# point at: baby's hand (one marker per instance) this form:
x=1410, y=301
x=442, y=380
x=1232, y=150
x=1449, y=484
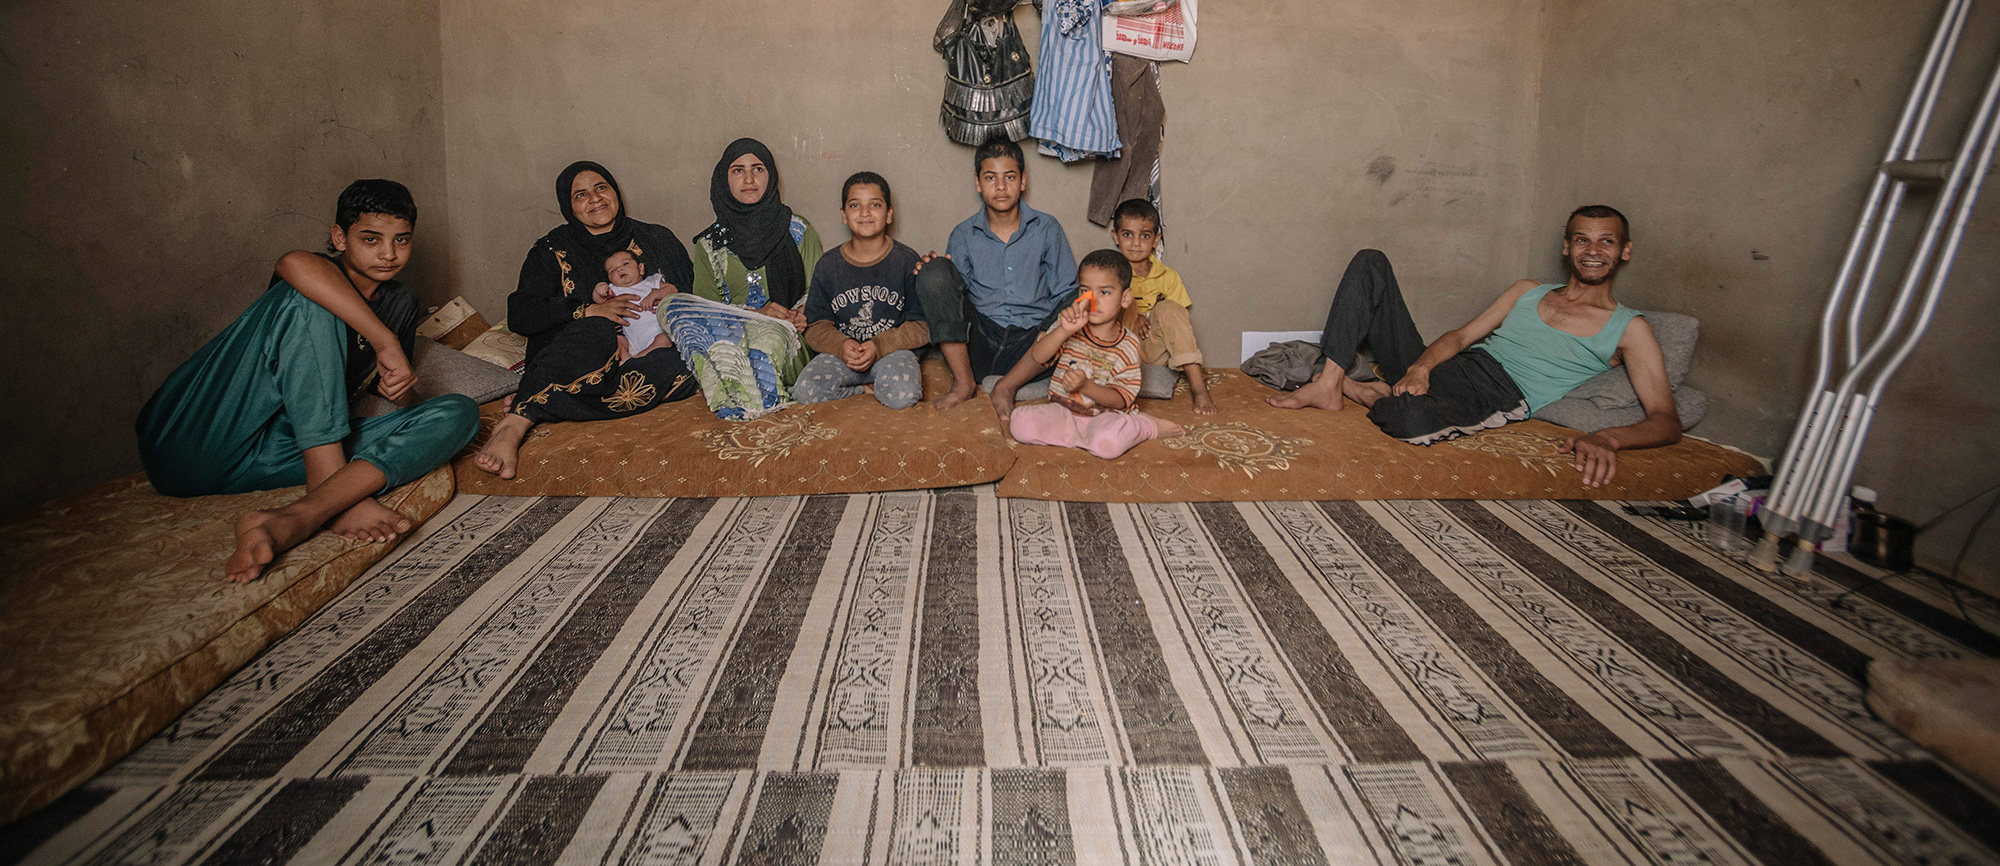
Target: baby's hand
x=601, y=294
x=652, y=300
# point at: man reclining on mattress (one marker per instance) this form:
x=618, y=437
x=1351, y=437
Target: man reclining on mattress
x=1536, y=343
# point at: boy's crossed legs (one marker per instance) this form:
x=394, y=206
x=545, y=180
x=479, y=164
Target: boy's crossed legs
x=898, y=380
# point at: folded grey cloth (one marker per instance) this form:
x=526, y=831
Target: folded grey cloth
x=1285, y=366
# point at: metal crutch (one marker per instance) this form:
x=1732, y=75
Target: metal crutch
x=1826, y=444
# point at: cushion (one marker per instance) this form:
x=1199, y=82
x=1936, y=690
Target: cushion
x=854, y=445
x=1252, y=451
x=444, y=370
x=501, y=347
x=114, y=618
x=1577, y=413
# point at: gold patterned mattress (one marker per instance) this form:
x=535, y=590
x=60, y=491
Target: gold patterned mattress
x=1251, y=451
x=114, y=618
x=681, y=449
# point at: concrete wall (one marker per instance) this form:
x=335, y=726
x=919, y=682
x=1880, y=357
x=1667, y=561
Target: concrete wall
x=155, y=160
x=1741, y=136
x=1271, y=136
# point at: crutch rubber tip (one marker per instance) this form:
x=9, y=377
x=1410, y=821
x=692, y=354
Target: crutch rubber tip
x=1765, y=556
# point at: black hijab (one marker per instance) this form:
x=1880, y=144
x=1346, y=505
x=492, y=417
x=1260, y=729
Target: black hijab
x=580, y=237
x=760, y=234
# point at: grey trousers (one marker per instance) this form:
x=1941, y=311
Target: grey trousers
x=898, y=382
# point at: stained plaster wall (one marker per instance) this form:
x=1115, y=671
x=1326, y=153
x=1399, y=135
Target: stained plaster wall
x=1741, y=137
x=157, y=159
x=1300, y=133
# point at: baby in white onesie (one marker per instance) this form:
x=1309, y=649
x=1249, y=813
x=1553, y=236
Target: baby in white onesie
x=643, y=334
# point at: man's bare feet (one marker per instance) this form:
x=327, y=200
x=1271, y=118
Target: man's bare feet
x=1320, y=393
x=503, y=448
x=369, y=521
x=959, y=393
x=1168, y=429
x=1003, y=403
x=260, y=537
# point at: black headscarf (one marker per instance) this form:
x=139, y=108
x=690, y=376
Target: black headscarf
x=580, y=237
x=760, y=234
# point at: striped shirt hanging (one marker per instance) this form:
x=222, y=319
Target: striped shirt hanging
x=1072, y=112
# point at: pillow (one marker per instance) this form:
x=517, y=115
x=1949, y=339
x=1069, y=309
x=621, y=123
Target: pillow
x=1580, y=414
x=444, y=370
x=500, y=346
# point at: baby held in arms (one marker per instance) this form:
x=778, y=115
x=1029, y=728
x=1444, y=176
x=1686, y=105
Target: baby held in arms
x=628, y=277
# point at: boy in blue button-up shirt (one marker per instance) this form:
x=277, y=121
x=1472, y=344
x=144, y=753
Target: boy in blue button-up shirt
x=1009, y=276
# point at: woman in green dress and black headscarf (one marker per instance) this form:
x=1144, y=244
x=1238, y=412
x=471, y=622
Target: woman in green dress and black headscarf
x=739, y=328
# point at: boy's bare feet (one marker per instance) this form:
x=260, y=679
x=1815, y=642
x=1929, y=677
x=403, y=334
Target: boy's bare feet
x=1168, y=429
x=260, y=537
x=369, y=521
x=960, y=392
x=503, y=448
x=1198, y=390
x=1003, y=402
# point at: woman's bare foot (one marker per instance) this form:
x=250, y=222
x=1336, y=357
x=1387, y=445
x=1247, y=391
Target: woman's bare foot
x=260, y=537
x=503, y=448
x=959, y=393
x=1320, y=393
x=1168, y=429
x=369, y=521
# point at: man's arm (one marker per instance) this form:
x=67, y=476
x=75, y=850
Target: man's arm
x=1597, y=453
x=1418, y=379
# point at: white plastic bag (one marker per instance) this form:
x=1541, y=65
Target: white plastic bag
x=1165, y=35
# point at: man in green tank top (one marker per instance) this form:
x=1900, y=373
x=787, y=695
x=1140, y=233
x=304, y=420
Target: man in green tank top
x=1537, y=342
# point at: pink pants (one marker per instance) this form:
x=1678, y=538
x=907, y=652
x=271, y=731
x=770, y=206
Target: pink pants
x=1107, y=435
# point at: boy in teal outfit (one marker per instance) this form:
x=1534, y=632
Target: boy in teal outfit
x=264, y=404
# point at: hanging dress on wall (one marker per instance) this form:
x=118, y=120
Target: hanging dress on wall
x=988, y=79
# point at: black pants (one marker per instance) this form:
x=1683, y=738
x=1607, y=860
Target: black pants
x=1468, y=392
x=577, y=377
x=994, y=348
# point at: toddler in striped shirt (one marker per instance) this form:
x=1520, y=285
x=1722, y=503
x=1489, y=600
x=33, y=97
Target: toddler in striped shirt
x=1091, y=394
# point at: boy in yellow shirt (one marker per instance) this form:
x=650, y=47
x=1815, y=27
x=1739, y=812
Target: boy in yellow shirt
x=1160, y=303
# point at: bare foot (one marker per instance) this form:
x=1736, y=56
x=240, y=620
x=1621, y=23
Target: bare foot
x=1003, y=403
x=504, y=447
x=1168, y=429
x=959, y=393
x=1317, y=394
x=1203, y=404
x=260, y=537
x=369, y=521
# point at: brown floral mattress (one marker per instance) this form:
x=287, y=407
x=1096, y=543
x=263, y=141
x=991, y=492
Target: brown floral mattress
x=1251, y=451
x=114, y=618
x=680, y=449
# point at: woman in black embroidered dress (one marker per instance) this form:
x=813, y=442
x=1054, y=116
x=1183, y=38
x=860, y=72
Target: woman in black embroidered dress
x=573, y=372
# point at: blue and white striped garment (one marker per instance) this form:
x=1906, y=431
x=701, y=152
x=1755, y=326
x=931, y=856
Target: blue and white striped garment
x=1072, y=113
